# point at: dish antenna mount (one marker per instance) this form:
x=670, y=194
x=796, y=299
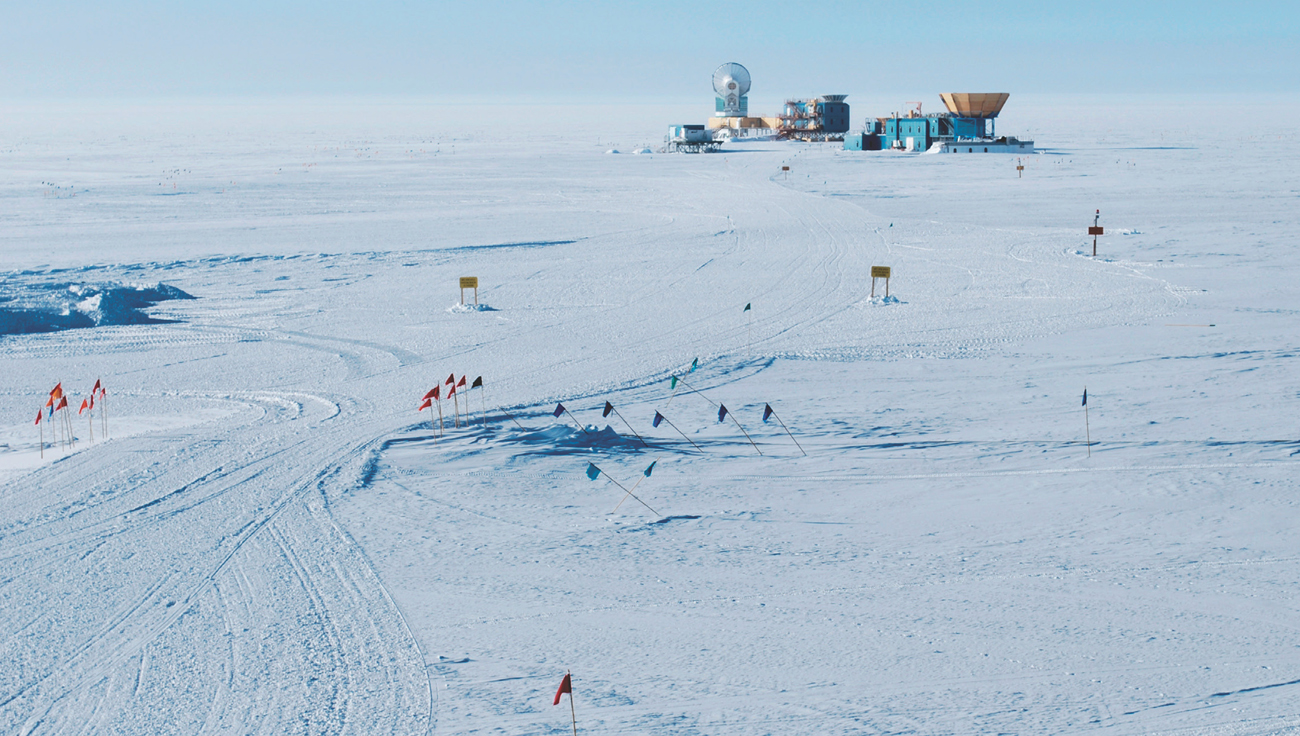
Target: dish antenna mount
x=731, y=83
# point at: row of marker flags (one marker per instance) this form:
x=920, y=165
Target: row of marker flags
x=435, y=397
x=594, y=471
x=58, y=411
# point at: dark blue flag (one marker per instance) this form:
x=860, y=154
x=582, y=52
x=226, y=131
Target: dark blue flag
x=722, y=412
x=593, y=472
x=559, y=409
x=1085, y=397
x=652, y=467
x=608, y=408
x=767, y=412
x=658, y=418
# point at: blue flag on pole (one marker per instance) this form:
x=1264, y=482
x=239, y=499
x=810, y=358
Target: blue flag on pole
x=722, y=412
x=747, y=306
x=673, y=385
x=1085, y=397
x=767, y=412
x=652, y=467
x=608, y=408
x=593, y=472
x=559, y=409
x=694, y=364
x=658, y=418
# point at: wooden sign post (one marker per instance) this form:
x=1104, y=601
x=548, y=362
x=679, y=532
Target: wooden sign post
x=1020, y=169
x=1096, y=230
x=879, y=272
x=468, y=282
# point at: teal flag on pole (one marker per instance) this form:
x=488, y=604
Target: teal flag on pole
x=593, y=472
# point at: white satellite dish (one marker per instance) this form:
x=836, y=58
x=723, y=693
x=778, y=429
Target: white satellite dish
x=731, y=82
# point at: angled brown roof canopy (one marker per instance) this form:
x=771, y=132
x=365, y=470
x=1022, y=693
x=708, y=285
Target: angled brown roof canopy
x=975, y=104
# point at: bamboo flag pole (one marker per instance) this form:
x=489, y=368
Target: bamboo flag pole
x=645, y=474
x=768, y=411
x=573, y=713
x=723, y=413
x=41, y=427
x=661, y=418
x=90, y=426
x=559, y=409
x=103, y=397
x=482, y=394
x=610, y=407
x=598, y=472
x=511, y=416
x=749, y=333
x=677, y=380
x=1087, y=429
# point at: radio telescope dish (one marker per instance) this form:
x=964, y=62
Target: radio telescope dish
x=731, y=82
x=731, y=79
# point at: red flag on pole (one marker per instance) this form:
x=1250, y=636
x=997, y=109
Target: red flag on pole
x=451, y=380
x=96, y=388
x=566, y=686
x=427, y=403
x=63, y=403
x=83, y=407
x=461, y=384
x=38, y=416
x=57, y=391
x=451, y=391
x=433, y=394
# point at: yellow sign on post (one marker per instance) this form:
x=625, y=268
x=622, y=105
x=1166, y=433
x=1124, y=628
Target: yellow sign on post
x=879, y=272
x=469, y=282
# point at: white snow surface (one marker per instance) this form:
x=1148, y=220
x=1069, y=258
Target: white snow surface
x=272, y=540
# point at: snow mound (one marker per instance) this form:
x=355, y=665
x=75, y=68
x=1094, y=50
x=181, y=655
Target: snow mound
x=641, y=151
x=612, y=150
x=560, y=439
x=880, y=301
x=28, y=308
x=464, y=308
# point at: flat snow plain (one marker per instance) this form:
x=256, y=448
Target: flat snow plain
x=274, y=541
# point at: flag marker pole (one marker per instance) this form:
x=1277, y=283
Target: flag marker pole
x=508, y=414
x=742, y=431
x=683, y=434
x=439, y=403
x=573, y=714
x=629, y=426
x=575, y=421
x=625, y=490
x=42, y=428
x=687, y=385
x=787, y=431
x=1086, y=428
x=634, y=485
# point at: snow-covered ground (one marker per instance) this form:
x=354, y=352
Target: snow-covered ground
x=273, y=540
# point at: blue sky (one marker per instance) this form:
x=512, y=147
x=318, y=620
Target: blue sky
x=629, y=51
